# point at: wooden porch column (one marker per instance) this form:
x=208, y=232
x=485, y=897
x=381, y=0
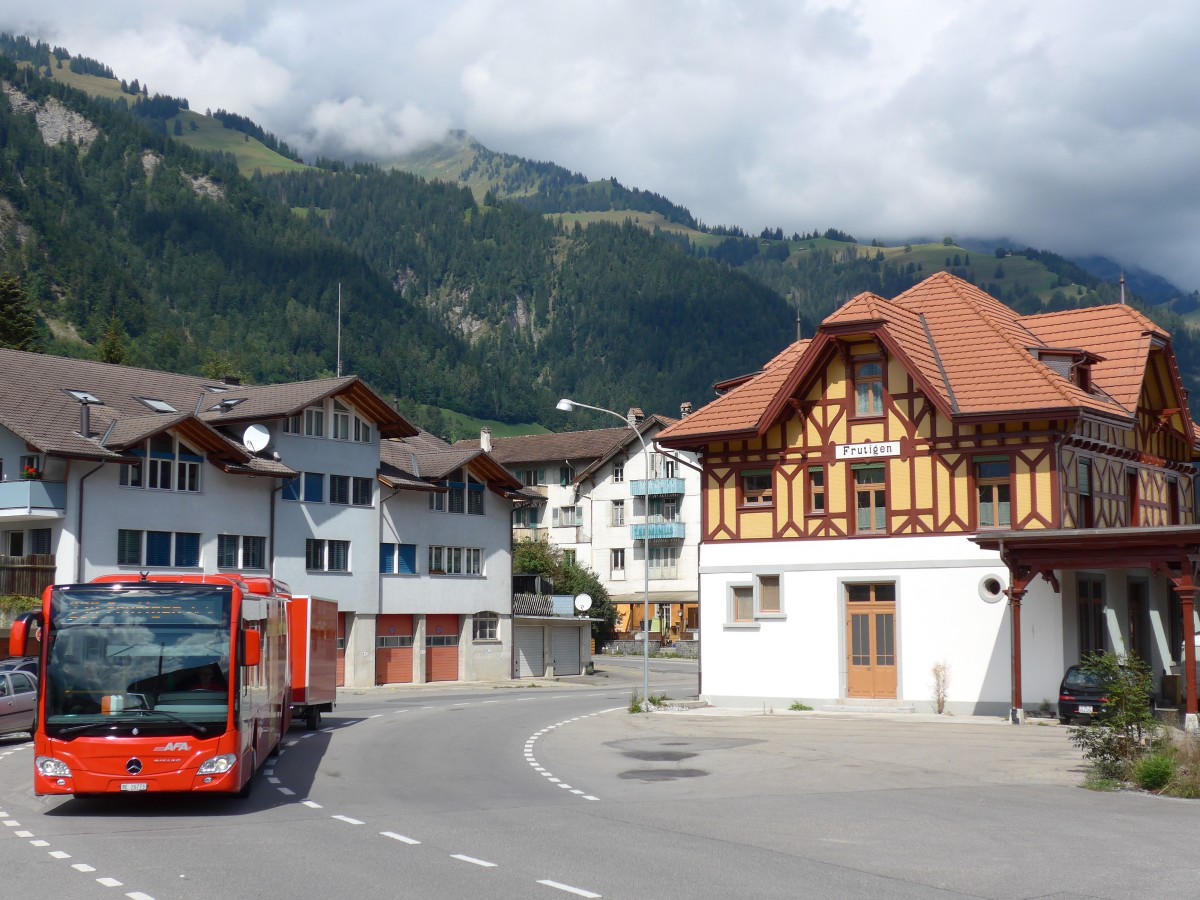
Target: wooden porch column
x=1015, y=594
x=1186, y=588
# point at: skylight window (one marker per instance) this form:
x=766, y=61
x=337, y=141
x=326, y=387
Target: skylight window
x=227, y=404
x=161, y=406
x=86, y=397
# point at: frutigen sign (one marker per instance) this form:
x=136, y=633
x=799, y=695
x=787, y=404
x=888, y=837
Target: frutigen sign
x=869, y=450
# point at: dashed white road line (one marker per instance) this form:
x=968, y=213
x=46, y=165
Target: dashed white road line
x=110, y=882
x=473, y=860
x=348, y=820
x=578, y=892
x=399, y=837
x=549, y=776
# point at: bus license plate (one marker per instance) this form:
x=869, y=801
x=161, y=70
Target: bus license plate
x=134, y=786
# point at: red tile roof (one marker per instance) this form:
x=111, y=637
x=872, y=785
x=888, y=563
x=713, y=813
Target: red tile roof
x=970, y=353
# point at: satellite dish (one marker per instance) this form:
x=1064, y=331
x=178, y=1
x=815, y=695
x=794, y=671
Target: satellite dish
x=256, y=437
x=583, y=602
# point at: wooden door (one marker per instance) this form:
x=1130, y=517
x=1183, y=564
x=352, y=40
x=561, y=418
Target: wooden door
x=871, y=640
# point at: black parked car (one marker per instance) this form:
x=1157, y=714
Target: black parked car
x=1080, y=696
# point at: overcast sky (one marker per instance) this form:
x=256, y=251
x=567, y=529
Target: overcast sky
x=1071, y=126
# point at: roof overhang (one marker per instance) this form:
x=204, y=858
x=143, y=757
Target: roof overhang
x=1095, y=548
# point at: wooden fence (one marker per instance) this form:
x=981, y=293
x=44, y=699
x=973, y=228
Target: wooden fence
x=26, y=575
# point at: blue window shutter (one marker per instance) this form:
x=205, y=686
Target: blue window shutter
x=407, y=559
x=291, y=488
x=187, y=549
x=387, y=559
x=158, y=548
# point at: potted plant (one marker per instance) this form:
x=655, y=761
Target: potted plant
x=31, y=473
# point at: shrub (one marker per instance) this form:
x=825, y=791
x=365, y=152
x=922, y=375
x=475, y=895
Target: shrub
x=1115, y=740
x=797, y=706
x=1154, y=772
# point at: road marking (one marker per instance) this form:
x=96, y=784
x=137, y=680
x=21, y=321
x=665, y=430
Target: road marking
x=576, y=791
x=40, y=843
x=82, y=867
x=59, y=854
x=138, y=895
x=489, y=701
x=12, y=823
x=567, y=786
x=376, y=716
x=109, y=882
x=590, y=797
x=273, y=779
x=399, y=837
x=293, y=743
x=473, y=860
x=348, y=820
x=312, y=804
x=23, y=833
x=287, y=792
x=578, y=892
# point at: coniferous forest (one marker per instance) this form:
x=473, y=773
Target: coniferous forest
x=131, y=246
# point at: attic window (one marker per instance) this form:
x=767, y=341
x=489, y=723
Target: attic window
x=161, y=406
x=86, y=397
x=229, y=403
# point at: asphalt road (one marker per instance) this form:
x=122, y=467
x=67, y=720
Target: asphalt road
x=556, y=791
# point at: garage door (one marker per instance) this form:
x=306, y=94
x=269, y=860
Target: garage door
x=393, y=649
x=531, y=657
x=441, y=648
x=564, y=645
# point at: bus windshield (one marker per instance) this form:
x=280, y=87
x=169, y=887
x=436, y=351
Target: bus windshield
x=139, y=657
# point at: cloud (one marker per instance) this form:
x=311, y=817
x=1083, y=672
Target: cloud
x=1065, y=125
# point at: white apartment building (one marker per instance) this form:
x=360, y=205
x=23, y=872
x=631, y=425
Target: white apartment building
x=599, y=495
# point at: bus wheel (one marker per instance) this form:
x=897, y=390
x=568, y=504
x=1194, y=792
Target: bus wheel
x=249, y=785
x=312, y=718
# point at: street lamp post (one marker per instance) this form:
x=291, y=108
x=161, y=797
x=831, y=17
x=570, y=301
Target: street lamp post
x=566, y=405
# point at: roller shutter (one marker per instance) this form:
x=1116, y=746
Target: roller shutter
x=528, y=643
x=564, y=647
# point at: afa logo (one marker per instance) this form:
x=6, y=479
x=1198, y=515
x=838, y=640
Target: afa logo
x=173, y=747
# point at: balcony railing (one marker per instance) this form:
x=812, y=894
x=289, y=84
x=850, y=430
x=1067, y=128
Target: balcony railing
x=658, y=528
x=33, y=499
x=656, y=487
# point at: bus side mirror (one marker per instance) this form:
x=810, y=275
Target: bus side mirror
x=252, y=653
x=18, y=638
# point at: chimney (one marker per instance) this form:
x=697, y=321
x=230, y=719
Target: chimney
x=485, y=439
x=685, y=409
x=85, y=419
x=231, y=381
x=634, y=416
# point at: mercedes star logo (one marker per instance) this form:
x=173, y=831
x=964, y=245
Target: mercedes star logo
x=133, y=766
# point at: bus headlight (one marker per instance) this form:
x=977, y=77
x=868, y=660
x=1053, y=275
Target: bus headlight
x=218, y=764
x=51, y=767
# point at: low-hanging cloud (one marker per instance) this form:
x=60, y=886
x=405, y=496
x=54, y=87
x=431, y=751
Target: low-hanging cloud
x=1069, y=126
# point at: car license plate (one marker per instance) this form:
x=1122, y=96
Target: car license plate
x=134, y=786
x=1084, y=709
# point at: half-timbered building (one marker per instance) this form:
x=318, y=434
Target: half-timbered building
x=863, y=493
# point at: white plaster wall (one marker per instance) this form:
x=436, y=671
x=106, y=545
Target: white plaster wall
x=940, y=617
x=407, y=519
x=486, y=660
x=225, y=504
x=296, y=521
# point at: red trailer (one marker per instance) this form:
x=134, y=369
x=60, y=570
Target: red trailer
x=312, y=642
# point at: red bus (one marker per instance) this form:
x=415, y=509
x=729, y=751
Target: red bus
x=157, y=683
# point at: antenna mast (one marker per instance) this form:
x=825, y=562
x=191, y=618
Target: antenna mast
x=339, y=332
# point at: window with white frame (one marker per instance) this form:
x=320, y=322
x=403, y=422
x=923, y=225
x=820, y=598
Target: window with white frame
x=664, y=562
x=474, y=497
x=619, y=472
x=566, y=516
x=485, y=626
x=241, y=551
x=398, y=559
x=167, y=464
x=531, y=477
x=455, y=560
x=339, y=489
x=307, y=486
x=362, y=491
x=618, y=512
x=294, y=424
x=437, y=501
x=159, y=549
x=314, y=422
x=362, y=430
x=566, y=474
x=617, y=562
x=326, y=555
x=341, y=422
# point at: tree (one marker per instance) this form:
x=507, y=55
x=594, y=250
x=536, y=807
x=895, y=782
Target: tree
x=1121, y=733
x=568, y=577
x=18, y=327
x=112, y=347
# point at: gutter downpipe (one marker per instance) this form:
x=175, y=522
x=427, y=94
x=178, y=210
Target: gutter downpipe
x=79, y=525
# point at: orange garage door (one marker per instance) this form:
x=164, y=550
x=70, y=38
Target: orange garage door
x=441, y=648
x=393, y=649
